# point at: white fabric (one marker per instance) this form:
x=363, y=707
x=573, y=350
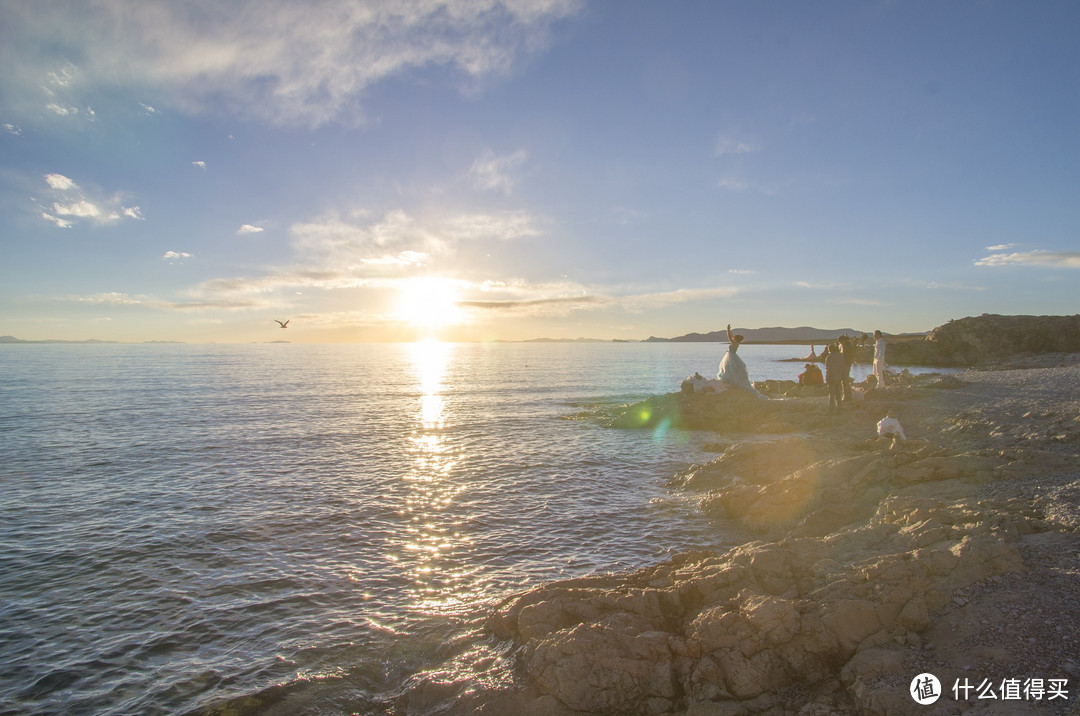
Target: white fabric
x=879, y=362
x=733, y=372
x=699, y=384
x=890, y=426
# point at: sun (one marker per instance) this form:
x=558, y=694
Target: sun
x=429, y=302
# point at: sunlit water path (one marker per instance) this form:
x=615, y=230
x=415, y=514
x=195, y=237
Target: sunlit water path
x=185, y=524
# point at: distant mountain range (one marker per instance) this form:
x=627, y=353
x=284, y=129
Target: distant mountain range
x=776, y=334
x=802, y=335
x=13, y=339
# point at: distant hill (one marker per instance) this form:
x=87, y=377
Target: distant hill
x=13, y=339
x=568, y=340
x=776, y=334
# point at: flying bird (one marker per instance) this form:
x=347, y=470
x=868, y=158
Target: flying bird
x=283, y=325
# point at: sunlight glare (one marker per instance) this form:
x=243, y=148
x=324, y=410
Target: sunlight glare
x=429, y=302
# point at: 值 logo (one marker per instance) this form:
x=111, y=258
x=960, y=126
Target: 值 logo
x=925, y=689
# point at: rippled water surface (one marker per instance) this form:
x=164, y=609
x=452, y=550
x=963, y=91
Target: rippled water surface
x=181, y=525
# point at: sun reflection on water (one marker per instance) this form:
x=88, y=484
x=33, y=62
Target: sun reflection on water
x=434, y=546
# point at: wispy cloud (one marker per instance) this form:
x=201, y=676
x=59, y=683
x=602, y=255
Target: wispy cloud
x=517, y=297
x=682, y=295
x=69, y=203
x=857, y=302
x=176, y=255
x=491, y=172
x=740, y=185
x=357, y=250
x=1002, y=247
x=1047, y=259
x=823, y=285
x=935, y=285
x=727, y=144
x=627, y=216
x=199, y=164
x=563, y=298
x=280, y=61
x=354, y=239
x=249, y=229
x=114, y=298
x=558, y=305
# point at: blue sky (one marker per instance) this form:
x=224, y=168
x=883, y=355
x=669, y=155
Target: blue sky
x=533, y=168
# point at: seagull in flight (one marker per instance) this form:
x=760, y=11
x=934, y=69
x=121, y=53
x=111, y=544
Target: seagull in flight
x=283, y=325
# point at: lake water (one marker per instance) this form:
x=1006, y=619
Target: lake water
x=182, y=525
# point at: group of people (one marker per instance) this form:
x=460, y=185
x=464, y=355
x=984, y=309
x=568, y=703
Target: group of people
x=838, y=358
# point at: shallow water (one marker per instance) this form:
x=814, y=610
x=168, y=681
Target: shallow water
x=185, y=524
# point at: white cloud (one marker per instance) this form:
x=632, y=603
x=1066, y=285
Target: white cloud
x=825, y=286
x=492, y=172
x=355, y=239
x=742, y=272
x=71, y=202
x=950, y=286
x=405, y=258
x=249, y=229
x=731, y=183
x=503, y=226
x=726, y=145
x=1002, y=247
x=61, y=223
x=12, y=128
x=79, y=209
x=1049, y=259
x=176, y=255
x=61, y=111
x=59, y=181
x=282, y=61
x=361, y=250
x=199, y=164
x=109, y=297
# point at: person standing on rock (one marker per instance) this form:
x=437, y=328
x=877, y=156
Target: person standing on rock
x=732, y=368
x=835, y=373
x=847, y=350
x=879, y=359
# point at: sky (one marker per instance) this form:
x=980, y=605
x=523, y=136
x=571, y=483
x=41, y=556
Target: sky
x=385, y=170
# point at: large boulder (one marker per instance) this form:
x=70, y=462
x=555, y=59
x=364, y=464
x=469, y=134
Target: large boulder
x=988, y=339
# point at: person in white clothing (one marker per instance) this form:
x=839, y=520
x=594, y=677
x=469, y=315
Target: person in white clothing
x=733, y=369
x=890, y=426
x=879, y=359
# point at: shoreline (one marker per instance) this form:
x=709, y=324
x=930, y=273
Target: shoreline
x=864, y=563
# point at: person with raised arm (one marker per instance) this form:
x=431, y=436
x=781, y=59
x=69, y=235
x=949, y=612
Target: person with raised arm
x=732, y=368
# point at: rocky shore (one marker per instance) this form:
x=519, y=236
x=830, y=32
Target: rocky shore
x=989, y=340
x=862, y=563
